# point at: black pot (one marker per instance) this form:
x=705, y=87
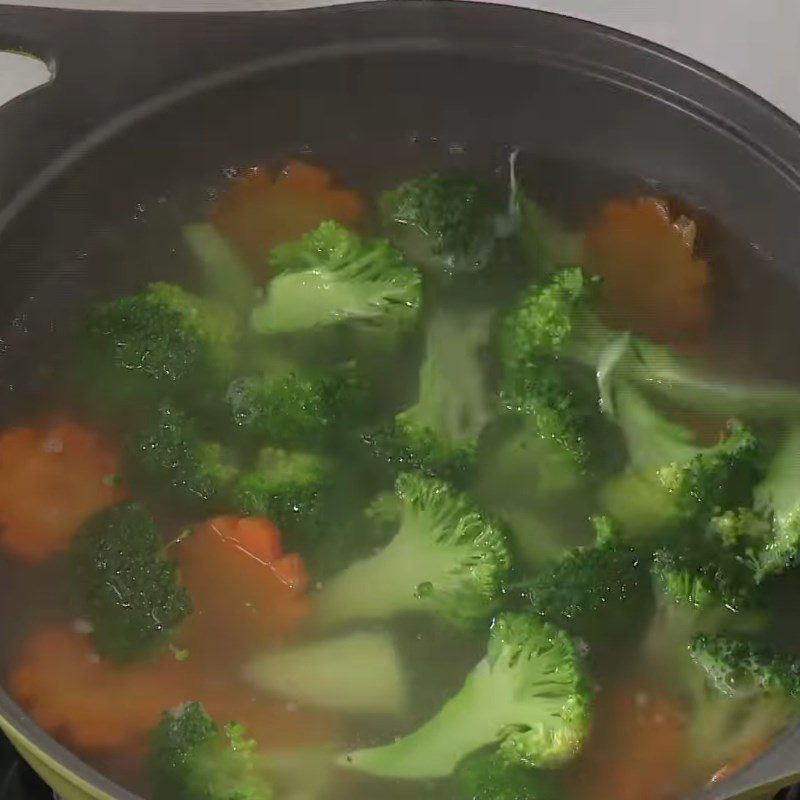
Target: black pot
x=138, y=101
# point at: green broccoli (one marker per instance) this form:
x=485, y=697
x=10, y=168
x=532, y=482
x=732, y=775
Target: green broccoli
x=528, y=695
x=125, y=586
x=288, y=487
x=745, y=693
x=555, y=357
x=671, y=481
x=487, y=777
x=601, y=587
x=333, y=276
x=766, y=536
x=445, y=558
x=777, y=498
x=697, y=591
x=438, y=435
x=445, y=224
x=288, y=406
x=192, y=759
x=556, y=319
x=156, y=344
x=169, y=458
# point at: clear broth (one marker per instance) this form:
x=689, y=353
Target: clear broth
x=757, y=318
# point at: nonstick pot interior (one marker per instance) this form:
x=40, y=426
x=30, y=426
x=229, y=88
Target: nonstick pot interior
x=186, y=96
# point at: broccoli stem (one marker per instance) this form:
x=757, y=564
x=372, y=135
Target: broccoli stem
x=225, y=276
x=779, y=490
x=778, y=494
x=386, y=583
x=473, y=719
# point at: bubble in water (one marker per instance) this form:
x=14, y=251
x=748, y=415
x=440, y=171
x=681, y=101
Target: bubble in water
x=424, y=589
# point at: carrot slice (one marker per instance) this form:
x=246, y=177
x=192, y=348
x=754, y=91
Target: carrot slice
x=256, y=537
x=91, y=704
x=52, y=478
x=261, y=210
x=635, y=745
x=653, y=283
x=99, y=707
x=291, y=570
x=246, y=592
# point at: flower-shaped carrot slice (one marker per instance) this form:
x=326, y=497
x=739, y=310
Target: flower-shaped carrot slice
x=261, y=210
x=98, y=707
x=87, y=702
x=246, y=591
x=653, y=283
x=52, y=478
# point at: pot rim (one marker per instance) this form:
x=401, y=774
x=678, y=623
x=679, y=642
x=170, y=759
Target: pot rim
x=42, y=744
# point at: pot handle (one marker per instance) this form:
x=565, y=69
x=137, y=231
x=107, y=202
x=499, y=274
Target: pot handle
x=105, y=62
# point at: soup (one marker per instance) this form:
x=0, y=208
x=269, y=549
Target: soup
x=440, y=488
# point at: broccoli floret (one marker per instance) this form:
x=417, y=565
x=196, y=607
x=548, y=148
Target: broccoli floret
x=555, y=356
x=741, y=667
x=156, y=344
x=332, y=276
x=528, y=695
x=288, y=406
x=556, y=319
x=446, y=224
x=601, y=587
x=438, y=435
x=777, y=498
x=357, y=673
x=488, y=777
x=192, y=759
x=169, y=458
x=445, y=558
x=767, y=535
x=671, y=481
x=744, y=694
x=126, y=587
x=697, y=591
x=289, y=487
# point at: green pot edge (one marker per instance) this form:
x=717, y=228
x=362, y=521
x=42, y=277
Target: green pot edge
x=62, y=780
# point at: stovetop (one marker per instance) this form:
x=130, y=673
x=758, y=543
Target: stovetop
x=17, y=780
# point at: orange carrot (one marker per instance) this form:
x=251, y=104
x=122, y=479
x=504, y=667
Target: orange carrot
x=634, y=747
x=91, y=704
x=52, y=477
x=95, y=706
x=246, y=592
x=653, y=283
x=261, y=210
